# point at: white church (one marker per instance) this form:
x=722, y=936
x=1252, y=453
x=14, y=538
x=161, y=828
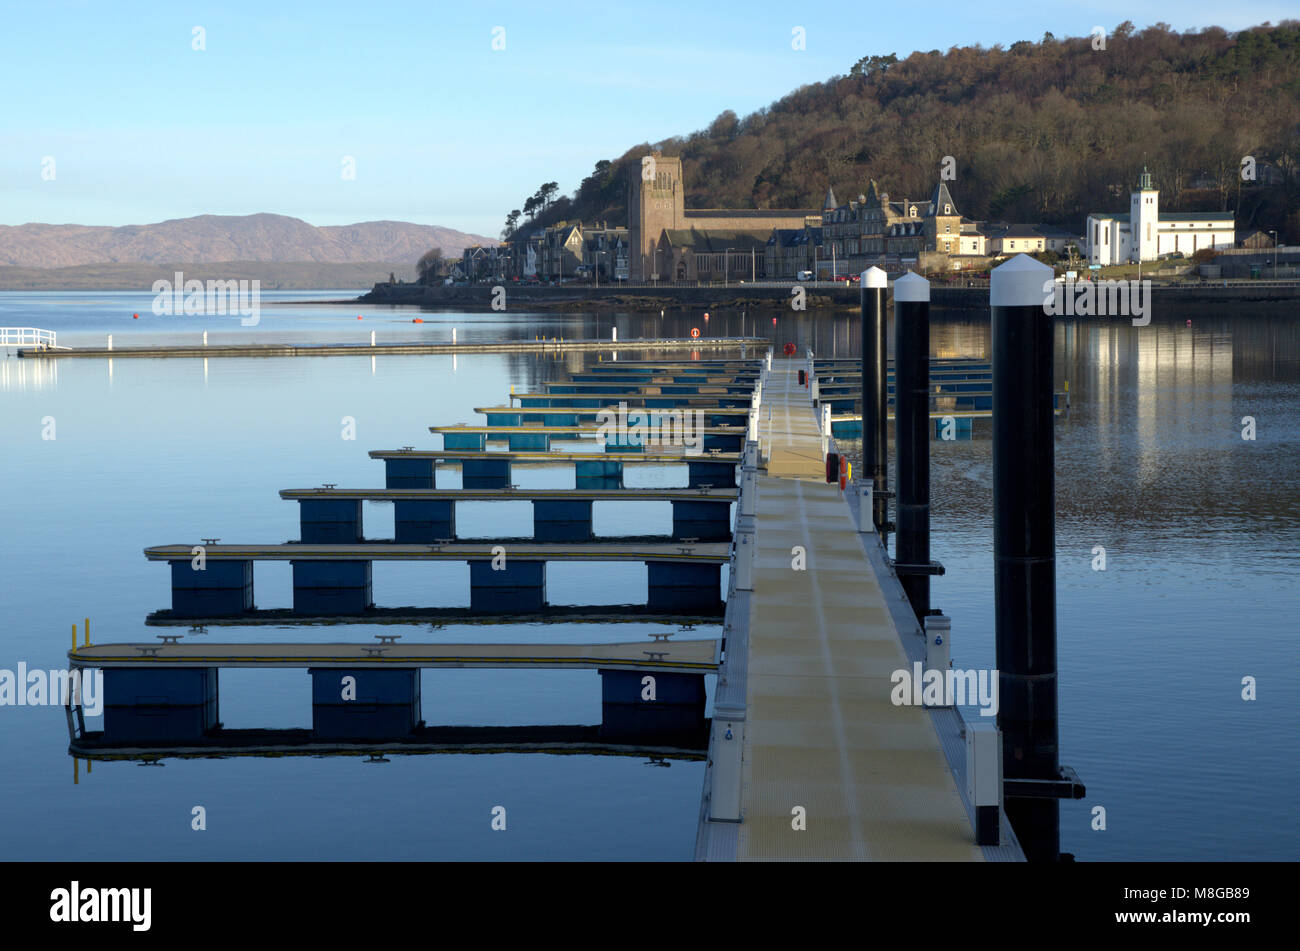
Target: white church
x=1144, y=234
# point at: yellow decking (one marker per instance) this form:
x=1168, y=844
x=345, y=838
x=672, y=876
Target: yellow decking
x=821, y=732
x=560, y=457
x=686, y=656
x=713, y=552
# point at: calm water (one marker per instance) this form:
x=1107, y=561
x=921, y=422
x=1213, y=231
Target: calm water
x=1201, y=529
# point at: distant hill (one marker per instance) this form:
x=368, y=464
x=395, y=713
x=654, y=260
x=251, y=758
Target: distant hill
x=210, y=239
x=274, y=275
x=1045, y=130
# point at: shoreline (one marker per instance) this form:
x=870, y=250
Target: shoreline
x=479, y=297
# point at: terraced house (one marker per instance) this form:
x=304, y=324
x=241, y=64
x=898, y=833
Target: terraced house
x=875, y=230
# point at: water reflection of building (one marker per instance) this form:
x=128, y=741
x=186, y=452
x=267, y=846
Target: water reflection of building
x=28, y=374
x=1157, y=420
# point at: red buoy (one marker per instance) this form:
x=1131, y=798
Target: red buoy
x=358, y=316
x=418, y=320
x=137, y=317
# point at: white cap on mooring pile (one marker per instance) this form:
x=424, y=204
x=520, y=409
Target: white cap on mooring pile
x=1019, y=282
x=875, y=277
x=911, y=287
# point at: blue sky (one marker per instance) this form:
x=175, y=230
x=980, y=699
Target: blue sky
x=443, y=129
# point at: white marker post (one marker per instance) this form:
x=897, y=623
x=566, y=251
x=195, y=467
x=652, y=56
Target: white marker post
x=743, y=546
x=726, y=747
x=938, y=656
x=748, y=492
x=866, y=505
x=984, y=778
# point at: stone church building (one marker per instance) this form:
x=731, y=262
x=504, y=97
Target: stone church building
x=672, y=242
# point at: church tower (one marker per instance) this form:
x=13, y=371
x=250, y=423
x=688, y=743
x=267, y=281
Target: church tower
x=1144, y=220
x=656, y=203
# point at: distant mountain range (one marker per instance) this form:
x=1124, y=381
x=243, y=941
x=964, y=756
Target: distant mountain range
x=209, y=239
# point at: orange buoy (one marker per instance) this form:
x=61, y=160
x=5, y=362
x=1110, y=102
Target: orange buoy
x=706, y=316
x=695, y=331
x=418, y=320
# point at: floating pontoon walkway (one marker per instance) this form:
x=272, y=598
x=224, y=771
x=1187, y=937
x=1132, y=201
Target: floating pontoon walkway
x=602, y=394
x=506, y=575
x=333, y=515
x=515, y=495
x=412, y=468
x=221, y=743
x=657, y=431
x=685, y=656
x=391, y=349
x=455, y=551
x=524, y=415
x=821, y=735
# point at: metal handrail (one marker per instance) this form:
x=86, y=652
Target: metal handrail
x=29, y=337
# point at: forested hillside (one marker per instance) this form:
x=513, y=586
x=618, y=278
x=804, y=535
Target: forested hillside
x=1042, y=131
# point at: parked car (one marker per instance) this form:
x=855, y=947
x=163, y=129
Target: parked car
x=804, y=276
